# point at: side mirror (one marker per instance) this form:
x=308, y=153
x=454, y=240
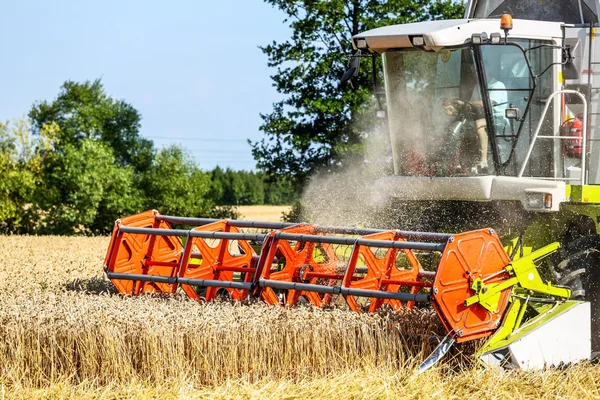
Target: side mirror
x=571, y=58
x=353, y=68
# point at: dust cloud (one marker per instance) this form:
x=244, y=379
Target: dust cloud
x=345, y=195
x=349, y=195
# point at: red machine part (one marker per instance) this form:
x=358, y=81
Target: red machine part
x=574, y=128
x=143, y=254
x=302, y=262
x=470, y=255
x=382, y=273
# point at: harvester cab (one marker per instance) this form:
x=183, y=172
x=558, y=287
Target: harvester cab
x=491, y=120
x=494, y=120
x=501, y=107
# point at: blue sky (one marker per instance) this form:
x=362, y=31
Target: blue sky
x=192, y=68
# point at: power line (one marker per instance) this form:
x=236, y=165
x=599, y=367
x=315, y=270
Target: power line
x=219, y=152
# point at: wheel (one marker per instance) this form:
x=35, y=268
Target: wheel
x=578, y=268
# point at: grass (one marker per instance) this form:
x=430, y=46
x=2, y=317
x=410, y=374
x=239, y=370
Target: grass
x=64, y=333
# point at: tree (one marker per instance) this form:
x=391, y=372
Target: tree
x=278, y=190
x=248, y=188
x=234, y=191
x=84, y=111
x=176, y=186
x=21, y=158
x=217, y=185
x=84, y=189
x=254, y=191
x=316, y=124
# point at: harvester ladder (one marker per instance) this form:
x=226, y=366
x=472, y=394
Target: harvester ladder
x=537, y=136
x=593, y=90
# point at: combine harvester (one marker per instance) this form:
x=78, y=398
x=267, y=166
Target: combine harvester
x=472, y=284
x=505, y=112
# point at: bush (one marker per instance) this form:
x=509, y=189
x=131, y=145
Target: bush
x=174, y=185
x=85, y=190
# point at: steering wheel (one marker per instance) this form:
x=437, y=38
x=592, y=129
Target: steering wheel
x=460, y=108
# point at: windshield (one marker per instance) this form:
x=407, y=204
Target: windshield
x=445, y=119
x=569, y=11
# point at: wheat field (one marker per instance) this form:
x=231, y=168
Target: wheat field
x=65, y=333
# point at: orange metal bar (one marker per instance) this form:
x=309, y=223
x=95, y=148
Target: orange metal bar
x=470, y=255
x=130, y=253
x=335, y=277
x=380, y=268
x=160, y=264
x=236, y=269
x=218, y=253
x=406, y=283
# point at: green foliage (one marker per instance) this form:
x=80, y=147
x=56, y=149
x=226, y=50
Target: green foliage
x=217, y=185
x=84, y=111
x=278, y=190
x=84, y=190
x=79, y=190
x=295, y=214
x=175, y=186
x=21, y=156
x=249, y=188
x=316, y=124
x=79, y=164
x=225, y=212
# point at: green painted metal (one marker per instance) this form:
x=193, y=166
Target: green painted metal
x=504, y=330
x=583, y=193
x=524, y=276
x=510, y=332
x=528, y=276
x=571, y=212
x=543, y=229
x=533, y=302
x=488, y=296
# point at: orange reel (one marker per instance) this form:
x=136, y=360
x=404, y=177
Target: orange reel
x=143, y=254
x=303, y=262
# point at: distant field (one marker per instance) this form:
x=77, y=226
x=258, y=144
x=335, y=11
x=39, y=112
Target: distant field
x=263, y=213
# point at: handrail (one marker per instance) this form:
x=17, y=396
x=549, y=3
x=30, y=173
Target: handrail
x=583, y=178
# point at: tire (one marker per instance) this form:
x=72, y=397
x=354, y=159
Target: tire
x=579, y=269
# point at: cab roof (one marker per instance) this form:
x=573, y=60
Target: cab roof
x=454, y=32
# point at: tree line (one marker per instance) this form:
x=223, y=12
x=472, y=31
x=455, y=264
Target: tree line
x=77, y=163
x=232, y=188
